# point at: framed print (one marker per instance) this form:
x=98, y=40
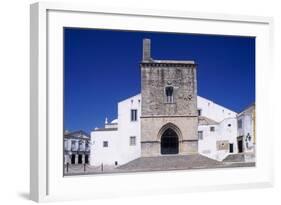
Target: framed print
x=127, y=102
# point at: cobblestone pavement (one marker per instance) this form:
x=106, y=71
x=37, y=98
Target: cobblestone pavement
x=160, y=163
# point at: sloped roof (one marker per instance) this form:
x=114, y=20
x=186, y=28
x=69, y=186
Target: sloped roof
x=248, y=109
x=78, y=132
x=105, y=129
x=206, y=121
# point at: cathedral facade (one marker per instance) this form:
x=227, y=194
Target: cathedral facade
x=166, y=118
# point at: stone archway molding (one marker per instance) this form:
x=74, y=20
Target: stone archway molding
x=171, y=126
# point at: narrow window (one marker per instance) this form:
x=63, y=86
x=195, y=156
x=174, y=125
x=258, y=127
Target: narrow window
x=105, y=143
x=169, y=91
x=199, y=112
x=86, y=159
x=231, y=148
x=73, y=145
x=87, y=146
x=81, y=145
x=73, y=156
x=132, y=141
x=134, y=115
x=65, y=145
x=80, y=159
x=200, y=135
x=212, y=129
x=240, y=123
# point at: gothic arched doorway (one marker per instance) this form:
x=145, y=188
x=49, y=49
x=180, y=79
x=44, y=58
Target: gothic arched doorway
x=169, y=142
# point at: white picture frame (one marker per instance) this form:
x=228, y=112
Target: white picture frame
x=46, y=178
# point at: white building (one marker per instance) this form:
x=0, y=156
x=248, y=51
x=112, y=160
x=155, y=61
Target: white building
x=119, y=141
x=217, y=130
x=76, y=147
x=246, y=133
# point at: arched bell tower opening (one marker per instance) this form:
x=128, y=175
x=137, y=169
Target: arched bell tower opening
x=169, y=142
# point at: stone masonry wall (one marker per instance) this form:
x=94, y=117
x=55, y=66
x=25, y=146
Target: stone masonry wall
x=151, y=141
x=155, y=77
x=156, y=112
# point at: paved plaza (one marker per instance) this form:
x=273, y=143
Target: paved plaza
x=160, y=163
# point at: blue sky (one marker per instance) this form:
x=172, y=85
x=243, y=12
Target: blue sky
x=101, y=68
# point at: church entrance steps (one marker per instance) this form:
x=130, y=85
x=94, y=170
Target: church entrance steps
x=235, y=158
x=241, y=157
x=158, y=163
x=175, y=162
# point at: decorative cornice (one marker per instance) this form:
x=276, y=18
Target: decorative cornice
x=166, y=116
x=105, y=129
x=81, y=132
x=169, y=64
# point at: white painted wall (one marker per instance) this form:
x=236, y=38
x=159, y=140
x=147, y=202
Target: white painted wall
x=214, y=111
x=208, y=145
x=119, y=149
x=128, y=128
x=247, y=129
x=104, y=155
x=224, y=117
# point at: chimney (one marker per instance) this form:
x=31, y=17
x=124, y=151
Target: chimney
x=146, y=50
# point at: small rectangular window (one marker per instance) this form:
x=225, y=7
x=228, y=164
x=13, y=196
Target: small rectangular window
x=73, y=145
x=105, y=143
x=231, y=148
x=132, y=141
x=200, y=135
x=240, y=123
x=199, y=112
x=134, y=115
x=212, y=129
x=81, y=145
x=65, y=144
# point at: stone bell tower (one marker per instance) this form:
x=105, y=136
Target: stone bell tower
x=169, y=119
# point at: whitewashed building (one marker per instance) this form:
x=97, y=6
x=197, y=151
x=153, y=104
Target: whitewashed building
x=76, y=147
x=217, y=130
x=246, y=133
x=119, y=141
